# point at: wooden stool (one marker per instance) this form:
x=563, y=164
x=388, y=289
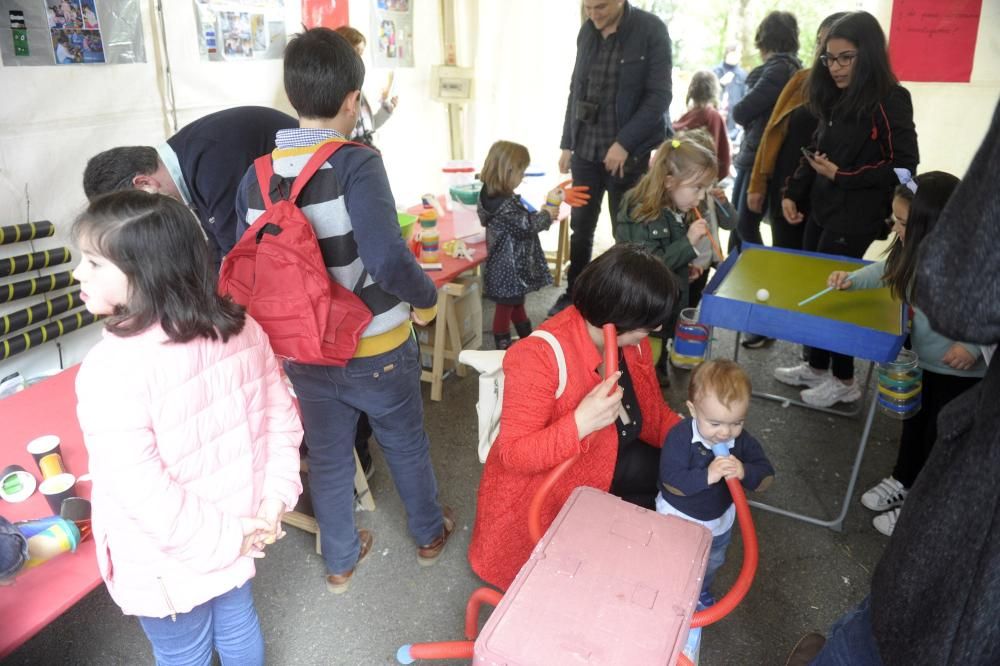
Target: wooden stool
x=364, y=498
x=559, y=259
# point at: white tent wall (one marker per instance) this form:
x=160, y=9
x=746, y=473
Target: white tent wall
x=54, y=118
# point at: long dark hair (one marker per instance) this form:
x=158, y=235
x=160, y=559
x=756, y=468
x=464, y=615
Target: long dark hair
x=871, y=79
x=934, y=188
x=626, y=286
x=158, y=244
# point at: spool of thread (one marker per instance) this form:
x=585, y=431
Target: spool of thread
x=429, y=238
x=16, y=484
x=60, y=536
x=51, y=465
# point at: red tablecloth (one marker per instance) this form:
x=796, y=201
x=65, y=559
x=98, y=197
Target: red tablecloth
x=41, y=594
x=451, y=267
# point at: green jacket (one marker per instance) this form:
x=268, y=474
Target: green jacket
x=665, y=237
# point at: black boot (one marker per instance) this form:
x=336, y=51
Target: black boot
x=502, y=341
x=523, y=328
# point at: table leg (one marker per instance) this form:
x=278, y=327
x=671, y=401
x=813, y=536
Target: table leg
x=440, y=335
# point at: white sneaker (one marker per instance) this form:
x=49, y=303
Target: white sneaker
x=800, y=375
x=888, y=494
x=886, y=522
x=830, y=392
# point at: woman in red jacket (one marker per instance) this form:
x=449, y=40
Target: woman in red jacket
x=615, y=425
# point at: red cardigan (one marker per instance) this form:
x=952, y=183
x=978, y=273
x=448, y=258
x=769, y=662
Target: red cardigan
x=708, y=118
x=537, y=432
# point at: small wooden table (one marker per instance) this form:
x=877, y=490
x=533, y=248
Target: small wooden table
x=447, y=332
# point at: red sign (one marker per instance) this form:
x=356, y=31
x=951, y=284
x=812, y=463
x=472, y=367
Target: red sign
x=324, y=13
x=933, y=40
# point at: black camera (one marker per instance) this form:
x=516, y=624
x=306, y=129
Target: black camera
x=586, y=112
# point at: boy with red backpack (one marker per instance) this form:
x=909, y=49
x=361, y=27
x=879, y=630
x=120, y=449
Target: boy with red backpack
x=350, y=207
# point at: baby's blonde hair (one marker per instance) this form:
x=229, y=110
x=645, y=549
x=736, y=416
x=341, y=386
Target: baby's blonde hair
x=684, y=158
x=722, y=377
x=504, y=167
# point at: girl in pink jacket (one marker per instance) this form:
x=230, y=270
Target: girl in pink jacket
x=192, y=436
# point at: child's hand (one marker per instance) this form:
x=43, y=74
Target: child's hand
x=555, y=197
x=600, y=407
x=719, y=469
x=737, y=467
x=697, y=230
x=272, y=510
x=958, y=357
x=254, y=532
x=839, y=280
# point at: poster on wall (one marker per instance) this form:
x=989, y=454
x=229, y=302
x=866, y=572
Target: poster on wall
x=235, y=30
x=934, y=41
x=324, y=13
x=72, y=32
x=391, y=39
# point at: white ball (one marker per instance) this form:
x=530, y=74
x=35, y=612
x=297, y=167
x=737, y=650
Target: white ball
x=763, y=294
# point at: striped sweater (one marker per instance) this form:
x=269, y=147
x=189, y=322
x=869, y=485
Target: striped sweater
x=352, y=211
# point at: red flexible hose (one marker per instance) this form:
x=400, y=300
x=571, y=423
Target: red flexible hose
x=442, y=650
x=479, y=596
x=747, y=571
x=610, y=350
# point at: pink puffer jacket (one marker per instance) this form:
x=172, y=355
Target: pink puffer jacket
x=184, y=440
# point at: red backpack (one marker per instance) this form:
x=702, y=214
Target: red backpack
x=276, y=271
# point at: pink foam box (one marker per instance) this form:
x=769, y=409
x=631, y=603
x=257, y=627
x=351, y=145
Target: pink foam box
x=610, y=583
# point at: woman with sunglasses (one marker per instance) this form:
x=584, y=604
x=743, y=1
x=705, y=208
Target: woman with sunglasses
x=847, y=177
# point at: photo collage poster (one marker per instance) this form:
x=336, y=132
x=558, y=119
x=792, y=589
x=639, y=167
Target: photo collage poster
x=235, y=30
x=392, y=33
x=71, y=32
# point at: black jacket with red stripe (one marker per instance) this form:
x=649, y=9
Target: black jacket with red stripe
x=865, y=150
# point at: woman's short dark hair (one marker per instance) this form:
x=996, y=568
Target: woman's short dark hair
x=871, y=79
x=778, y=33
x=159, y=245
x=626, y=286
x=321, y=69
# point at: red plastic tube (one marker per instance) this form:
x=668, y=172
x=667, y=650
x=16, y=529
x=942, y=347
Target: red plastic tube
x=476, y=600
x=610, y=350
x=535, y=508
x=749, y=568
x=442, y=650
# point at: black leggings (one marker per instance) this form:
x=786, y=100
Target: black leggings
x=920, y=431
x=818, y=239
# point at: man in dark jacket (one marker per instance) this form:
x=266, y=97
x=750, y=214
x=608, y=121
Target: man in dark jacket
x=935, y=595
x=200, y=166
x=616, y=114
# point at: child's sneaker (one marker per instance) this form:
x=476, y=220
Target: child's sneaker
x=886, y=522
x=888, y=494
x=830, y=392
x=800, y=375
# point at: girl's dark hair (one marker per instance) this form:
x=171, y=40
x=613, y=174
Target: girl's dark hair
x=871, y=78
x=703, y=89
x=626, y=286
x=934, y=188
x=159, y=246
x=778, y=33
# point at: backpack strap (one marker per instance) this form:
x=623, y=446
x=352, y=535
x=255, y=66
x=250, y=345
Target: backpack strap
x=264, y=166
x=560, y=357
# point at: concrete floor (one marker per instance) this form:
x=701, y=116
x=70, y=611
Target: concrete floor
x=808, y=575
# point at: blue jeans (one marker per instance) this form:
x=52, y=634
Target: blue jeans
x=716, y=558
x=851, y=641
x=747, y=221
x=386, y=388
x=228, y=623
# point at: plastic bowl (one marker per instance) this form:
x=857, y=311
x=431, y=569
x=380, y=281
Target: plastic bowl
x=406, y=224
x=467, y=194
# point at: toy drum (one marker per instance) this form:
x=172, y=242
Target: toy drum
x=899, y=386
x=690, y=340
